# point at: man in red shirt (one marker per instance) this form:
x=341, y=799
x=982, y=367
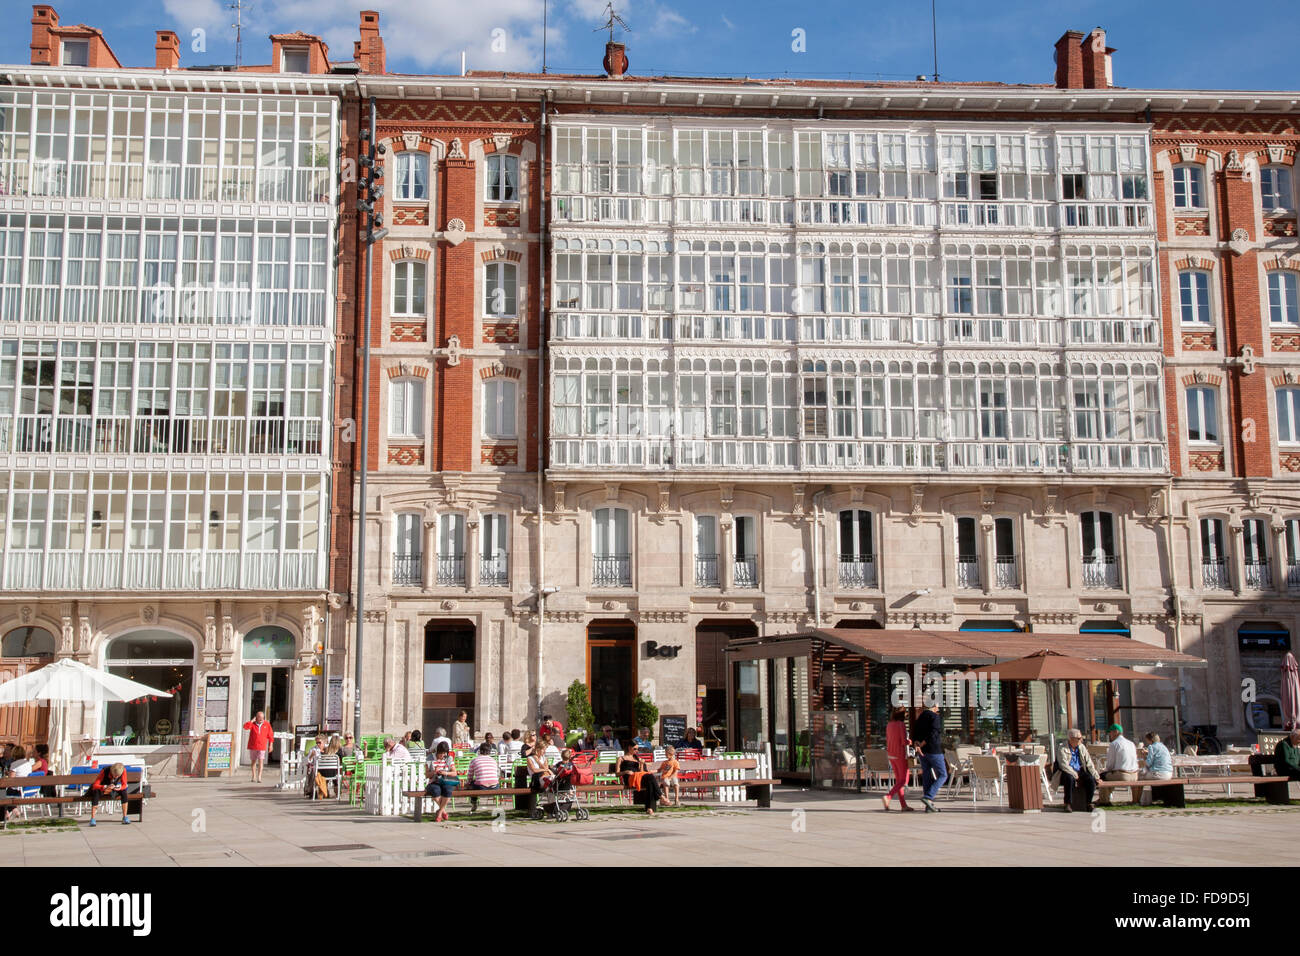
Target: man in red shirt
x=260, y=740
x=110, y=784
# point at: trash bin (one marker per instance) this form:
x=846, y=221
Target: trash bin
x=524, y=803
x=1024, y=787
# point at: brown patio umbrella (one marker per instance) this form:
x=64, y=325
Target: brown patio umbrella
x=1049, y=665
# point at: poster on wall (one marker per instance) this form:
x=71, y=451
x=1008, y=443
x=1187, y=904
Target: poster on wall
x=334, y=703
x=217, y=752
x=310, y=695
x=216, y=706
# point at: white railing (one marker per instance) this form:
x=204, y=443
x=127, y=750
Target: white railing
x=145, y=434
x=744, y=573
x=80, y=179
x=1006, y=574
x=1100, y=573
x=63, y=570
x=998, y=215
x=1106, y=215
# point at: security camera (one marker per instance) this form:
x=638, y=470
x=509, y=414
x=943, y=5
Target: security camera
x=548, y=591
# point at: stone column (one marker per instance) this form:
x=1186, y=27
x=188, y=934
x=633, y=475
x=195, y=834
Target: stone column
x=429, y=559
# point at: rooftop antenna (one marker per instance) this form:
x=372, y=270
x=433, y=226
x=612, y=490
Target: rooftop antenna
x=610, y=20
x=934, y=37
x=238, y=6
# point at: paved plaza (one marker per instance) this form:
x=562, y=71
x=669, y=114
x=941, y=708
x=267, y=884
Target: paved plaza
x=236, y=823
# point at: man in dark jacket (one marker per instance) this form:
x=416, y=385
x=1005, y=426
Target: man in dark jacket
x=927, y=734
x=1286, y=756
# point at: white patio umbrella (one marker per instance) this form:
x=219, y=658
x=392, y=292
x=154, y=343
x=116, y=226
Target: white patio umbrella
x=67, y=682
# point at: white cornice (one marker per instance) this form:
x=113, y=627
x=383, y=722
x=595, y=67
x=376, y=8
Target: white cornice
x=177, y=81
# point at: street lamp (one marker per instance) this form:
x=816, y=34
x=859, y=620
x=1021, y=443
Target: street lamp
x=370, y=223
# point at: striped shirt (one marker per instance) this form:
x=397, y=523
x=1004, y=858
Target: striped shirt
x=483, y=770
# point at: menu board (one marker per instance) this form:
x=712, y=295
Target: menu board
x=334, y=703
x=310, y=693
x=672, y=729
x=217, y=704
x=217, y=750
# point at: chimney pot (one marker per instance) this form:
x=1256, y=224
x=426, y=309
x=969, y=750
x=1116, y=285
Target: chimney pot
x=615, y=61
x=1069, y=61
x=167, y=50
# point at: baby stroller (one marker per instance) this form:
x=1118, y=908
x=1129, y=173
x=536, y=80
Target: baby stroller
x=561, y=796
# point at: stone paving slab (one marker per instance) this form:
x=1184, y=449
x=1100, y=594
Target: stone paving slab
x=225, y=822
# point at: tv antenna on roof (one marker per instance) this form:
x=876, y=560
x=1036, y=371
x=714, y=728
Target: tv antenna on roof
x=238, y=6
x=610, y=20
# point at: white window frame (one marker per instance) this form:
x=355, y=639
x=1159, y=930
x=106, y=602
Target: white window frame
x=503, y=162
x=404, y=522
x=1191, y=177
x=1286, y=404
x=1197, y=394
x=406, y=305
x=500, y=408
x=1283, y=298
x=81, y=45
x=611, y=519
x=406, y=407
x=414, y=177
x=1194, y=299
x=1279, y=198
x=288, y=51
x=501, y=275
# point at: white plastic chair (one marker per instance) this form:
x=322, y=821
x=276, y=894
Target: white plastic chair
x=986, y=774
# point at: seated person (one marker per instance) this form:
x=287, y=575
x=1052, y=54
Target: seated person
x=1159, y=766
x=483, y=773
x=109, y=784
x=1286, y=756
x=539, y=769
x=441, y=773
x=607, y=740
x=636, y=776
x=668, y=776
x=692, y=742
x=1076, y=769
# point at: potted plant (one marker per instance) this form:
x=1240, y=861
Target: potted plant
x=578, y=707
x=645, y=713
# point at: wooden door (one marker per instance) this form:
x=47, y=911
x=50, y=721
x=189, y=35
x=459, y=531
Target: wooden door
x=24, y=724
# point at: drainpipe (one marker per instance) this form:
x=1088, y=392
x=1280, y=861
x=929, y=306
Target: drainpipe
x=1176, y=607
x=543, y=251
x=816, y=559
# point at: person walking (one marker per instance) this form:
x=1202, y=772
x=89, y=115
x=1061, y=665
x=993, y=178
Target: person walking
x=927, y=734
x=896, y=743
x=260, y=740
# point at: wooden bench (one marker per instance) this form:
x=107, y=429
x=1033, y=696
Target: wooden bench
x=134, y=799
x=1172, y=792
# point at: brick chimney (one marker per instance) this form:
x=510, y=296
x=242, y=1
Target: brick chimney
x=1096, y=61
x=45, y=45
x=369, y=50
x=615, y=61
x=167, y=51
x=1069, y=61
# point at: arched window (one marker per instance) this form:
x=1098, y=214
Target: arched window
x=1097, y=531
x=1282, y=298
x=1275, y=188
x=411, y=176
x=857, y=549
x=1254, y=546
x=269, y=643
x=160, y=660
x=1214, y=559
x=1189, y=187
x=502, y=178
x=500, y=290
x=611, y=557
x=408, y=287
x=28, y=642
x=1194, y=297
x=494, y=560
x=406, y=408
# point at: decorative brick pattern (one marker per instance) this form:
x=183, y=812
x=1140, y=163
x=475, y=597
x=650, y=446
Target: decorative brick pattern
x=501, y=216
x=1205, y=460
x=405, y=369
x=409, y=251
x=496, y=368
x=1279, y=227
x=407, y=332
x=1203, y=378
x=1286, y=342
x=1198, y=342
x=1185, y=226
x=504, y=333
x=1195, y=262
x=1281, y=262
x=1289, y=461
x=406, y=454
x=499, y=455
x=509, y=255
x=410, y=215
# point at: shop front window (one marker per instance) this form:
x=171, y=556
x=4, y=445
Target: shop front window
x=160, y=660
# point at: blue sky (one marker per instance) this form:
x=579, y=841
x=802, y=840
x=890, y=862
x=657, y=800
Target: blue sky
x=1161, y=43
